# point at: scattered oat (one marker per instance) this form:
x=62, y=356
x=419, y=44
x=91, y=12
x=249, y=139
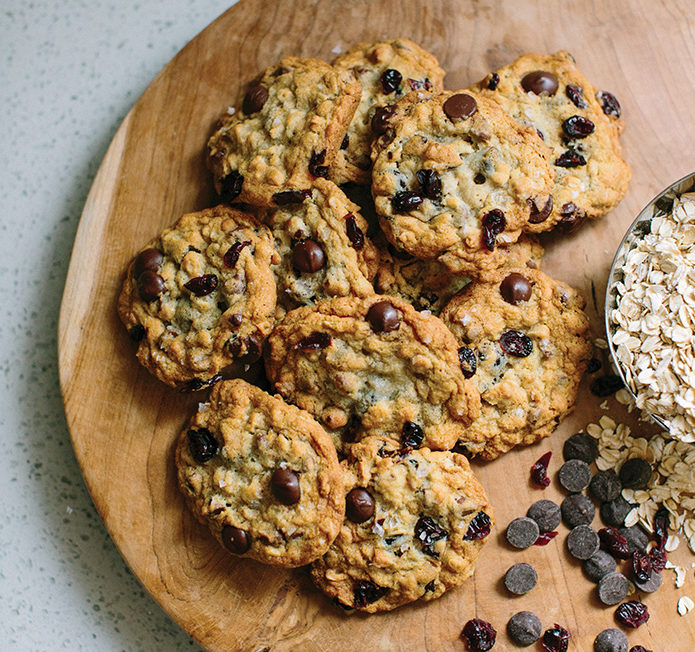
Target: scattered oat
x=680, y=576
x=685, y=605
x=600, y=343
x=68, y=509
x=604, y=405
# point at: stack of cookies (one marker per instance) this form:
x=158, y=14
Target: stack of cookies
x=375, y=245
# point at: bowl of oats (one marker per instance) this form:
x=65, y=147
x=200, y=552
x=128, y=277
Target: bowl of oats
x=650, y=309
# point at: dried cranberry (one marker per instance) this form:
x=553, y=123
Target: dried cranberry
x=493, y=81
x=390, y=81
x=609, y=103
x=539, y=471
x=365, y=592
x=412, y=435
x=232, y=256
x=493, y=223
x=614, y=543
x=420, y=84
x=606, y=385
x=230, y=186
x=555, y=639
x=479, y=527
x=658, y=557
x=314, y=342
x=661, y=523
x=570, y=159
x=427, y=532
x=641, y=565
x=354, y=233
x=196, y=384
x=202, y=444
x=545, y=538
x=291, y=197
x=516, y=343
x=468, y=362
x=380, y=119
x=632, y=614
x=405, y=201
x=578, y=126
x=576, y=94
x=430, y=184
x=346, y=142
x=202, y=285
x=316, y=164
x=478, y=635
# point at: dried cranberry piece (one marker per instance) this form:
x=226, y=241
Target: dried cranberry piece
x=658, y=558
x=493, y=81
x=578, y=126
x=412, y=435
x=555, y=639
x=545, y=538
x=609, y=103
x=661, y=523
x=430, y=184
x=468, y=362
x=314, y=342
x=202, y=285
x=576, y=94
x=420, y=84
x=202, y=444
x=405, y=201
x=390, y=81
x=570, y=159
x=365, y=592
x=614, y=543
x=632, y=614
x=478, y=635
x=354, y=233
x=479, y=527
x=230, y=186
x=427, y=532
x=196, y=384
x=493, y=223
x=345, y=143
x=606, y=385
x=516, y=343
x=380, y=119
x=539, y=471
x=641, y=565
x=316, y=164
x=254, y=99
x=232, y=256
x=291, y=197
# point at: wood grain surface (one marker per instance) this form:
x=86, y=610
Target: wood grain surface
x=123, y=422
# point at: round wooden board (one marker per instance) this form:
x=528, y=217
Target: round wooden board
x=123, y=422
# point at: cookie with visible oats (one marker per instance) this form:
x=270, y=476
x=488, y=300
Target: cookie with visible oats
x=386, y=70
x=524, y=341
x=201, y=296
x=415, y=522
x=285, y=133
x=262, y=475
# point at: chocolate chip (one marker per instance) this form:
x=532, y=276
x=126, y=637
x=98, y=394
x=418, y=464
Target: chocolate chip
x=136, y=332
x=316, y=164
x=577, y=509
x=149, y=259
x=285, y=486
x=493, y=81
x=231, y=256
x=291, y=197
x=524, y=628
x=614, y=512
x=609, y=103
x=578, y=126
x=460, y=106
x=612, y=588
x=202, y=445
x=611, y=640
x=359, y=505
x=150, y=285
x=574, y=475
x=380, y=119
x=522, y=532
x=390, y=81
x=307, y=256
x=254, y=99
x=539, y=82
x=430, y=184
x=635, y=473
x=580, y=447
x=516, y=343
x=539, y=215
x=520, y=578
x=582, y=542
x=405, y=201
x=605, y=486
x=593, y=366
x=493, y=224
x=230, y=186
x=468, y=362
x=479, y=178
x=354, y=233
x=235, y=539
x=571, y=217
x=546, y=513
x=383, y=317
x=515, y=288
x=651, y=585
x=235, y=319
x=412, y=435
x=599, y=565
x=570, y=159
x=635, y=536
x=576, y=94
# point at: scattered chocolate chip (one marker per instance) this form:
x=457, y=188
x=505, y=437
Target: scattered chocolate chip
x=609, y=103
x=468, y=362
x=570, y=159
x=412, y=435
x=539, y=82
x=582, y=542
x=148, y=259
x=546, y=513
x=520, y=578
x=202, y=285
x=380, y=119
x=539, y=215
x=581, y=447
x=460, y=106
x=254, y=99
x=202, y=445
x=235, y=539
x=574, y=475
x=614, y=543
x=359, y=505
x=577, y=126
x=651, y=585
x=522, y=532
x=545, y=538
x=612, y=588
x=555, y=639
x=291, y=197
x=428, y=532
x=493, y=224
x=614, y=512
x=577, y=509
x=230, y=186
x=150, y=285
x=515, y=288
x=593, y=366
x=405, y=201
x=635, y=473
x=516, y=343
x=611, y=640
x=390, y=81
x=524, y=628
x=365, y=592
x=576, y=94
x=605, y=486
x=478, y=528
x=136, y=332
x=383, y=317
x=307, y=256
x=635, y=536
x=316, y=164
x=314, y=342
x=354, y=233
x=479, y=178
x=478, y=635
x=599, y=565
x=285, y=486
x=346, y=142
x=493, y=81
x=430, y=184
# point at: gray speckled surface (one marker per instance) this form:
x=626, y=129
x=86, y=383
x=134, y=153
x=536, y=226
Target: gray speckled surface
x=70, y=72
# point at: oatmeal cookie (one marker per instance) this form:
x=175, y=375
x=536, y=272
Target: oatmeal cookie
x=262, y=474
x=201, y=296
x=386, y=70
x=454, y=178
x=525, y=343
x=579, y=124
x=368, y=365
x=285, y=133
x=415, y=522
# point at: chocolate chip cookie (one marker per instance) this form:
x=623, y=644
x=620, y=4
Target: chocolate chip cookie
x=524, y=341
x=201, y=296
x=285, y=133
x=262, y=474
x=369, y=365
x=386, y=70
x=415, y=522
x=579, y=124
x=455, y=177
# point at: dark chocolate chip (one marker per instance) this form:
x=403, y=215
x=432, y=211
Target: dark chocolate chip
x=390, y=81
x=365, y=592
x=599, y=565
x=520, y=578
x=609, y=103
x=230, y=186
x=613, y=512
x=605, y=486
x=651, y=585
x=359, y=505
x=149, y=259
x=574, y=475
x=380, y=119
x=235, y=539
x=202, y=445
x=524, y=628
x=515, y=288
x=412, y=435
x=346, y=142
x=468, y=362
x=612, y=588
x=611, y=640
x=635, y=473
x=539, y=82
x=460, y=106
x=593, y=366
x=150, y=285
x=291, y=197
x=546, y=514
x=581, y=447
x=235, y=319
x=583, y=542
x=383, y=317
x=635, y=536
x=285, y=486
x=307, y=256
x=479, y=178
x=493, y=81
x=254, y=99
x=576, y=94
x=539, y=215
x=577, y=509
x=522, y=532
x=577, y=126
x=136, y=332
x=202, y=285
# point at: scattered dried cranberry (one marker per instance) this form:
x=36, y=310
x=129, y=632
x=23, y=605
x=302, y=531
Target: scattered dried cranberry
x=478, y=635
x=468, y=362
x=479, y=527
x=230, y=186
x=390, y=81
x=578, y=126
x=641, y=565
x=202, y=285
x=576, y=94
x=658, y=557
x=202, y=444
x=232, y=256
x=632, y=614
x=545, y=538
x=539, y=471
x=516, y=343
x=405, y=201
x=420, y=84
x=291, y=197
x=493, y=81
x=555, y=639
x=427, y=532
x=430, y=184
x=365, y=592
x=314, y=342
x=609, y=103
x=661, y=522
x=316, y=164
x=493, y=224
x=606, y=385
x=614, y=543
x=570, y=159
x=412, y=435
x=354, y=233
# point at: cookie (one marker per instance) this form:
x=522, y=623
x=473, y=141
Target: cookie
x=386, y=70
x=285, y=133
x=579, y=124
x=525, y=339
x=201, y=296
x=369, y=365
x=321, y=238
x=422, y=519
x=455, y=178
x=429, y=285
x=262, y=474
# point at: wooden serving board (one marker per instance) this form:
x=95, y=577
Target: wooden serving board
x=123, y=422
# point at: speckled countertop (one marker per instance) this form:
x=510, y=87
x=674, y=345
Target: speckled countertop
x=71, y=70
